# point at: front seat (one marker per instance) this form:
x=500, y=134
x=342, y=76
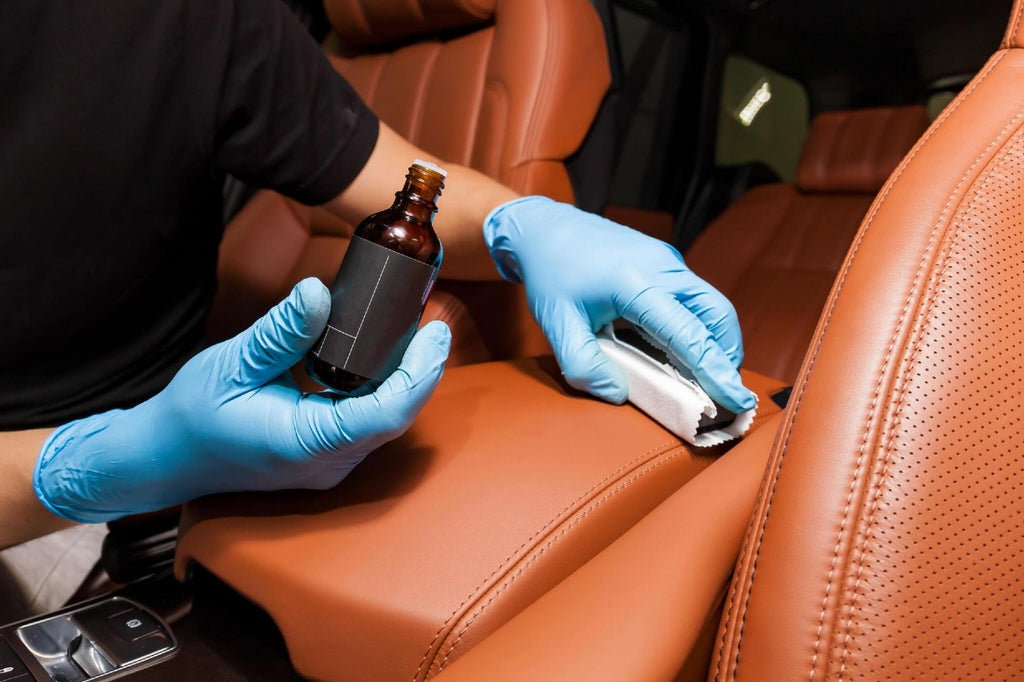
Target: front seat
x=508, y=87
x=886, y=538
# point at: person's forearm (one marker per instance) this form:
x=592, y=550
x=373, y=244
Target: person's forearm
x=468, y=197
x=22, y=516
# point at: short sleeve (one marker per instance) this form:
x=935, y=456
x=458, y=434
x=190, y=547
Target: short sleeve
x=281, y=116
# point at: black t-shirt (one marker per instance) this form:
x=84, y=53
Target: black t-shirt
x=118, y=122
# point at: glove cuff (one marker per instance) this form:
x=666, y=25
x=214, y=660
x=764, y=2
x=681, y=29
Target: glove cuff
x=56, y=480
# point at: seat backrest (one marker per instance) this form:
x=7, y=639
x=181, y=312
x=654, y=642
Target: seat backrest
x=508, y=87
x=509, y=93
x=886, y=542
x=776, y=251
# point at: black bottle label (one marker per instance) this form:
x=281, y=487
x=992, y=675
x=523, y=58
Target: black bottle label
x=376, y=303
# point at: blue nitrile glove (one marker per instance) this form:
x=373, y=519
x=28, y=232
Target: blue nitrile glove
x=582, y=272
x=233, y=419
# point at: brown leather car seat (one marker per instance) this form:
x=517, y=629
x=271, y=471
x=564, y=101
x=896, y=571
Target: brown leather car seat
x=508, y=87
x=776, y=251
x=886, y=539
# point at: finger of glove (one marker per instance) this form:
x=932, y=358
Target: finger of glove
x=584, y=365
x=718, y=315
x=369, y=421
x=282, y=337
x=711, y=307
x=689, y=340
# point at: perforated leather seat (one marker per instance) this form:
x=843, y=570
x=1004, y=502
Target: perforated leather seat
x=509, y=87
x=776, y=251
x=886, y=542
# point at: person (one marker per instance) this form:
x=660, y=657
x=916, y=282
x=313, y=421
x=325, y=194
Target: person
x=118, y=123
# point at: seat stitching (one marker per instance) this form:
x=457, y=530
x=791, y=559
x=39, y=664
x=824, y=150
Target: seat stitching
x=364, y=15
x=904, y=387
x=885, y=363
x=1012, y=37
x=476, y=108
x=550, y=542
x=546, y=85
x=877, y=155
x=779, y=459
x=878, y=386
x=530, y=539
x=837, y=137
x=744, y=552
x=371, y=95
x=420, y=113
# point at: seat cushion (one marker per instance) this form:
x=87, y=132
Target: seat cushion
x=506, y=483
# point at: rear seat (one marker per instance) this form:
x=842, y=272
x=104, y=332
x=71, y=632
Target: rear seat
x=508, y=87
x=776, y=251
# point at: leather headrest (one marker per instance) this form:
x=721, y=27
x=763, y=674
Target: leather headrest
x=364, y=23
x=856, y=151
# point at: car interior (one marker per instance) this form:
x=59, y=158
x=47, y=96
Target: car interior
x=848, y=174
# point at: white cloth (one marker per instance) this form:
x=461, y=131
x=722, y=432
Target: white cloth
x=673, y=400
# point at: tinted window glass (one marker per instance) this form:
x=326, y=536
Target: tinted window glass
x=763, y=117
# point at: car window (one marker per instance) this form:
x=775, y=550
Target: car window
x=763, y=116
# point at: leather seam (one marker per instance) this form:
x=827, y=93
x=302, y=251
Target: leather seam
x=569, y=525
x=546, y=527
x=378, y=74
x=493, y=164
x=1011, y=38
x=546, y=86
x=904, y=384
x=744, y=555
x=448, y=309
x=780, y=458
x=478, y=106
x=421, y=15
x=833, y=147
x=364, y=15
x=872, y=416
x=429, y=73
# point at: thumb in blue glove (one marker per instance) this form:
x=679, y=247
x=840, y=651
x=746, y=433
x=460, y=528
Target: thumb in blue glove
x=582, y=272
x=233, y=419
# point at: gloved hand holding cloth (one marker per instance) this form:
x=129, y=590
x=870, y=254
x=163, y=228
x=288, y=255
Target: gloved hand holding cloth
x=582, y=272
x=233, y=419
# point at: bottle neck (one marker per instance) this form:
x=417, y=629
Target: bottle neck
x=418, y=198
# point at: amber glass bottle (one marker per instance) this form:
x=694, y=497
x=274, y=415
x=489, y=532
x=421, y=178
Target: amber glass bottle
x=382, y=285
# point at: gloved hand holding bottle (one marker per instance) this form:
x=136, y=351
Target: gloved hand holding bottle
x=582, y=272
x=233, y=419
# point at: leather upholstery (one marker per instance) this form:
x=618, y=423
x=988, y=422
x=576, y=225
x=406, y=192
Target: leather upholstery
x=774, y=254
x=512, y=99
x=886, y=541
x=379, y=22
x=1015, y=29
x=504, y=486
x=776, y=251
x=637, y=610
x=856, y=151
